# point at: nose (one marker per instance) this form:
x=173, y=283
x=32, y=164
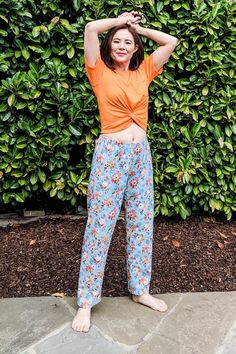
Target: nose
x=121, y=45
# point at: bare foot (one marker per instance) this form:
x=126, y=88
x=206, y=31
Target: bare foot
x=81, y=322
x=150, y=301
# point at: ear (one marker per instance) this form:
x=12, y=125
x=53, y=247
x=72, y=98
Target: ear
x=136, y=48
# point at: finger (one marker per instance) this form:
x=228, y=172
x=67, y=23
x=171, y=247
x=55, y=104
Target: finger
x=132, y=19
x=137, y=19
x=124, y=14
x=137, y=14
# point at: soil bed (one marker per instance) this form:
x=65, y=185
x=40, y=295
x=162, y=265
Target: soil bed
x=43, y=257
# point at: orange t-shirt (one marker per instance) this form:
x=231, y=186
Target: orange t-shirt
x=122, y=96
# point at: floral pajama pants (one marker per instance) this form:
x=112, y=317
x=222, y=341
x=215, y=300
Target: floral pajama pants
x=120, y=170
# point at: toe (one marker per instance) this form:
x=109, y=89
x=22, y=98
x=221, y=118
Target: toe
x=85, y=328
x=163, y=306
x=80, y=328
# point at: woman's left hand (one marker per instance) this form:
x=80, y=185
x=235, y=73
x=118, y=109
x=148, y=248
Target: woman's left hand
x=137, y=16
x=136, y=27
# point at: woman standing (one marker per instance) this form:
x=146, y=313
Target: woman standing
x=122, y=163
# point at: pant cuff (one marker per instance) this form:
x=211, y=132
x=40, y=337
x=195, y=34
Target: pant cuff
x=139, y=292
x=87, y=304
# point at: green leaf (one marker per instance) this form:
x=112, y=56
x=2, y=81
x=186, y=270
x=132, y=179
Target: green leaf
x=186, y=6
x=36, y=31
x=76, y=4
x=25, y=53
x=176, y=7
x=19, y=197
x=215, y=204
x=53, y=192
x=205, y=91
x=166, y=99
x=171, y=169
x=4, y=148
x=73, y=72
x=26, y=13
x=47, y=53
x=74, y=130
x=70, y=53
x=20, y=105
x=228, y=131
x=11, y=100
x=21, y=145
x=4, y=18
x=221, y=142
x=180, y=64
x=50, y=121
x=42, y=176
x=17, y=174
x=56, y=175
x=73, y=177
x=229, y=146
x=3, y=107
x=215, y=9
x=183, y=213
x=186, y=133
x=36, y=49
x=188, y=189
x=195, y=129
x=47, y=186
x=33, y=178
x=66, y=24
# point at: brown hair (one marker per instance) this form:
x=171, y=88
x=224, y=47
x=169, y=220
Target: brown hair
x=137, y=57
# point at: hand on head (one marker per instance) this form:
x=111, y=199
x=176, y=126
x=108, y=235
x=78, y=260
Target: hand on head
x=132, y=18
x=137, y=14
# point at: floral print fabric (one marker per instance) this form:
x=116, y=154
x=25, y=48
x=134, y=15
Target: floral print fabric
x=120, y=170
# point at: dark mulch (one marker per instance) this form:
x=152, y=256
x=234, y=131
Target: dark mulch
x=43, y=257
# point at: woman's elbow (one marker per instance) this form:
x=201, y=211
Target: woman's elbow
x=89, y=26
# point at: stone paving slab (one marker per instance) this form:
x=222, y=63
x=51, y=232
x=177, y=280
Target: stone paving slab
x=26, y=320
x=124, y=321
x=69, y=342
x=229, y=344
x=195, y=323
x=198, y=325
x=26, y=220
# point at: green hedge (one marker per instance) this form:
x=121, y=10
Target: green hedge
x=48, y=114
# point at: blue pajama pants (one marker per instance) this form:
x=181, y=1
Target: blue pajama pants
x=120, y=170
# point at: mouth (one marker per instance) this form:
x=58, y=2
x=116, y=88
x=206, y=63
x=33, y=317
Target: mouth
x=120, y=54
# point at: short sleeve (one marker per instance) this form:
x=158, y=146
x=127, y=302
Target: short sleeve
x=149, y=68
x=94, y=74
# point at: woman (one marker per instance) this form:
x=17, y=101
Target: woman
x=122, y=164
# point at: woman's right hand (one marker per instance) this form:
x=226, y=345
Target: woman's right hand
x=130, y=18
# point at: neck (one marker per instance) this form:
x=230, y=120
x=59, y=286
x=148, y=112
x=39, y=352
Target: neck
x=121, y=67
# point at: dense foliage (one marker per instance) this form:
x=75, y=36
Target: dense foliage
x=48, y=114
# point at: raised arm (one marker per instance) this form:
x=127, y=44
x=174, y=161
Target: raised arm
x=166, y=41
x=167, y=45
x=94, y=28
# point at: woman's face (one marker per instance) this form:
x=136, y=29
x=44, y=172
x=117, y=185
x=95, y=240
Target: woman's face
x=122, y=46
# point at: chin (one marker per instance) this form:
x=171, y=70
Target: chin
x=120, y=60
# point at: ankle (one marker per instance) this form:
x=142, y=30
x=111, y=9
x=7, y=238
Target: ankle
x=81, y=309
x=140, y=295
